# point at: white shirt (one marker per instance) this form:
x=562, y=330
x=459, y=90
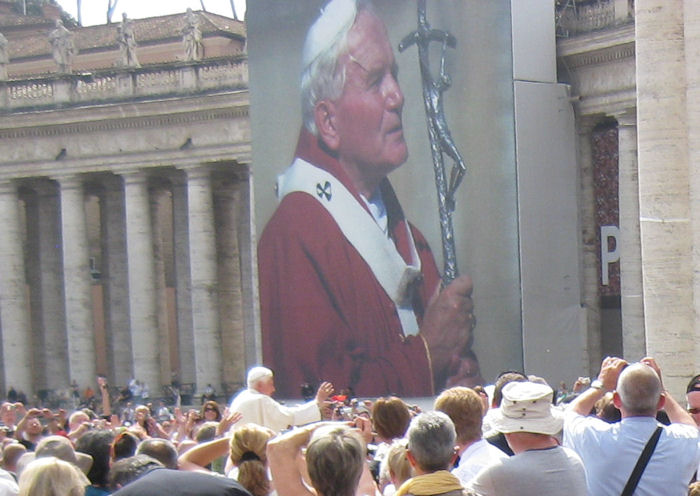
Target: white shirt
x=258, y=408
x=8, y=486
x=553, y=471
x=487, y=422
x=610, y=452
x=477, y=456
x=378, y=210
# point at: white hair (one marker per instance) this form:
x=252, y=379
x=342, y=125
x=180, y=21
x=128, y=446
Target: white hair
x=256, y=374
x=326, y=41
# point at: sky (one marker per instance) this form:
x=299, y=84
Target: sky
x=95, y=11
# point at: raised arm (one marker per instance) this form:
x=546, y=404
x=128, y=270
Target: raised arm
x=22, y=425
x=106, y=400
x=282, y=458
x=201, y=455
x=676, y=413
x=607, y=381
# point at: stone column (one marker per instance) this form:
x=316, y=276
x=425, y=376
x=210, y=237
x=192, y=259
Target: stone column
x=142, y=287
x=76, y=282
x=226, y=208
x=663, y=187
x=159, y=205
x=590, y=271
x=33, y=281
x=115, y=282
x=183, y=294
x=692, y=60
x=203, y=274
x=632, y=303
x=14, y=307
x=52, y=308
x=249, y=273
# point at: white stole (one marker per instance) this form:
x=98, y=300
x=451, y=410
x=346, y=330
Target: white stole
x=362, y=231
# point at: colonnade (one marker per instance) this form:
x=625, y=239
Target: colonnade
x=135, y=275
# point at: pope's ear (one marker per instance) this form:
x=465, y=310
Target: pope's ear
x=325, y=118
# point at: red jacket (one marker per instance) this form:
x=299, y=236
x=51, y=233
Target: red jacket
x=324, y=315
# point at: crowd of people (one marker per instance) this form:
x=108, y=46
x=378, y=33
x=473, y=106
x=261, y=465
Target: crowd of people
x=515, y=437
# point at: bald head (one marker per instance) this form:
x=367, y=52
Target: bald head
x=639, y=390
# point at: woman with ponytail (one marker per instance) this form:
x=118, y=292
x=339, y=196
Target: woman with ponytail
x=247, y=453
x=247, y=460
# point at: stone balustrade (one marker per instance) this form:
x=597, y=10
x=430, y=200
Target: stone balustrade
x=123, y=84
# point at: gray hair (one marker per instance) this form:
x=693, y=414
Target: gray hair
x=640, y=389
x=431, y=440
x=257, y=374
x=323, y=78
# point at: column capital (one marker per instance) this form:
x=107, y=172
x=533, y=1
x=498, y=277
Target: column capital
x=197, y=171
x=179, y=179
x=226, y=184
x=625, y=117
x=69, y=181
x=134, y=175
x=8, y=187
x=44, y=187
x=110, y=182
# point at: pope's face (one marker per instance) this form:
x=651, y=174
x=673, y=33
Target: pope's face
x=368, y=112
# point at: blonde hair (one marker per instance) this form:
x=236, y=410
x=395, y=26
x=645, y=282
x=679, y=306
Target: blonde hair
x=396, y=463
x=49, y=476
x=465, y=409
x=248, y=453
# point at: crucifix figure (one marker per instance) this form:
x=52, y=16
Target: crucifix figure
x=441, y=141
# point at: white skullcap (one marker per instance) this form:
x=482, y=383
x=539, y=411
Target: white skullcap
x=336, y=17
x=257, y=373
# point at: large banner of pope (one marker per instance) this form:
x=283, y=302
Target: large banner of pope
x=350, y=245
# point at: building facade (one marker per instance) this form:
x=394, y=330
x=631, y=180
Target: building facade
x=631, y=66
x=126, y=200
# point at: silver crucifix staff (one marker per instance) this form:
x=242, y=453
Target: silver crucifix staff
x=440, y=138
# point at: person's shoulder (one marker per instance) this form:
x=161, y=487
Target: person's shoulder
x=294, y=206
x=570, y=454
x=245, y=396
x=297, y=216
x=94, y=491
x=178, y=482
x=495, y=466
x=682, y=431
x=8, y=487
x=576, y=422
x=489, y=449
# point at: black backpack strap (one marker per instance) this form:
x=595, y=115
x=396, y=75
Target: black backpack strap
x=642, y=463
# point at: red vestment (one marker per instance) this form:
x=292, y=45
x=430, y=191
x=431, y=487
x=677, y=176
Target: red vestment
x=325, y=317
